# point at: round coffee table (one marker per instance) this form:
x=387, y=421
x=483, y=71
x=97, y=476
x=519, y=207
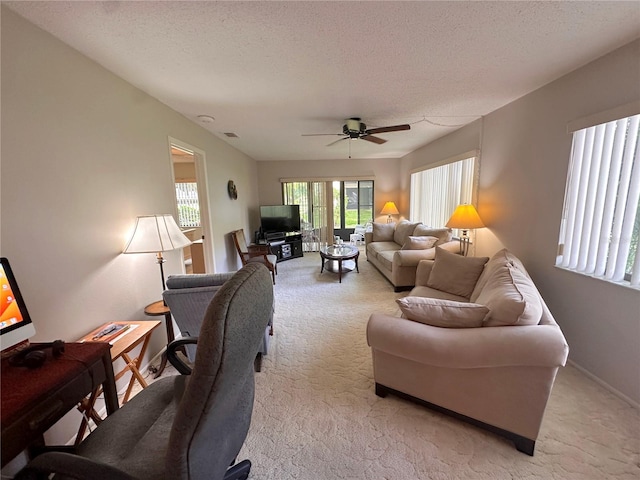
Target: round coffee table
x=333, y=255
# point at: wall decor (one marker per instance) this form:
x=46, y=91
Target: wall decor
x=233, y=191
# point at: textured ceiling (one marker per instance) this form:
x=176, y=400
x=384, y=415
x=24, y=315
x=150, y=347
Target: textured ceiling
x=272, y=71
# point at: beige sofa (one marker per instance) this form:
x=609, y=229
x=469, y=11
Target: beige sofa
x=496, y=368
x=395, y=250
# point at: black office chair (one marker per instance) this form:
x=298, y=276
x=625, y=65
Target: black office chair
x=186, y=426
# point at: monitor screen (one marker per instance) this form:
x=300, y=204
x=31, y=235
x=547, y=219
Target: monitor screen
x=15, y=322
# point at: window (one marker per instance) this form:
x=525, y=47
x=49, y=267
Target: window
x=601, y=221
x=437, y=191
x=352, y=204
x=188, y=206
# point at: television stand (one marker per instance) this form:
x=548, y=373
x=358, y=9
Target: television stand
x=285, y=246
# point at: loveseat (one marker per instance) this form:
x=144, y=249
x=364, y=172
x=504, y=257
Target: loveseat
x=475, y=340
x=396, y=249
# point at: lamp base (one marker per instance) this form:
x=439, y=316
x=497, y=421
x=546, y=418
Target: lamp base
x=465, y=243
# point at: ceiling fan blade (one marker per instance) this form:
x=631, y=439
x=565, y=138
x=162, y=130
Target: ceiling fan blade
x=371, y=138
x=339, y=140
x=394, y=128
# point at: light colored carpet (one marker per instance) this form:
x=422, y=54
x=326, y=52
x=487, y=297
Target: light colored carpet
x=316, y=416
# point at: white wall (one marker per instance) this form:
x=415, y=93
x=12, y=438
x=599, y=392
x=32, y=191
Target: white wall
x=524, y=159
x=83, y=152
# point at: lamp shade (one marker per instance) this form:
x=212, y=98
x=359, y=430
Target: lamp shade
x=465, y=217
x=389, y=209
x=156, y=233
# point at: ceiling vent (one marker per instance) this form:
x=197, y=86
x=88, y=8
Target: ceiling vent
x=231, y=135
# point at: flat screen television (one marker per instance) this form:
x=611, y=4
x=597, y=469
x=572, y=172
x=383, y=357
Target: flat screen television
x=280, y=218
x=15, y=322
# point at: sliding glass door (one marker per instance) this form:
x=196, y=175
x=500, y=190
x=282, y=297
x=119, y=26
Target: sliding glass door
x=352, y=206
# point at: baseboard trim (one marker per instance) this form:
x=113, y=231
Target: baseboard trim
x=522, y=444
x=605, y=385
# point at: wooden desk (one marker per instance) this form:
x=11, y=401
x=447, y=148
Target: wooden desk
x=34, y=400
x=138, y=332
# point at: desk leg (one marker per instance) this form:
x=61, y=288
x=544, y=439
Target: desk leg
x=170, y=338
x=109, y=385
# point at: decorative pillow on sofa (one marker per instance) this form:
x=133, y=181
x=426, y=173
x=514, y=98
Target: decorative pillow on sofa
x=443, y=313
x=512, y=298
x=404, y=228
x=419, y=243
x=453, y=273
x=383, y=232
x=444, y=234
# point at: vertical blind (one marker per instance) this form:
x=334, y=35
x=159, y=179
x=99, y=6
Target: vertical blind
x=436, y=192
x=312, y=198
x=601, y=222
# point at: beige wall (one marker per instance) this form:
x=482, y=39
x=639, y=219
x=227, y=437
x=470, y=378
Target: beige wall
x=385, y=172
x=524, y=158
x=83, y=153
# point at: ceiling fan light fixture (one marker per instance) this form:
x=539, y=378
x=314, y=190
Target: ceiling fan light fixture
x=354, y=125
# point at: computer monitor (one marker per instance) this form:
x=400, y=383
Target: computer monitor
x=15, y=322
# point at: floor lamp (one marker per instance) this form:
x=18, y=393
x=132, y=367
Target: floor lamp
x=156, y=234
x=465, y=218
x=389, y=209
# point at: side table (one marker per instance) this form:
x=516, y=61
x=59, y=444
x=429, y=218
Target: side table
x=138, y=332
x=157, y=309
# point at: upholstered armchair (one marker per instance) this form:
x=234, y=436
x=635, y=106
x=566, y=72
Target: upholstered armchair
x=188, y=297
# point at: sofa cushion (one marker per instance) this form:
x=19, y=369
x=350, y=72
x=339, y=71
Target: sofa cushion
x=419, y=243
x=383, y=232
x=404, y=228
x=423, y=291
x=500, y=258
x=511, y=297
x=454, y=273
x=443, y=313
x=444, y=234
x=375, y=248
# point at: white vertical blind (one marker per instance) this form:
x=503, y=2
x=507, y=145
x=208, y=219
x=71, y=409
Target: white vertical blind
x=436, y=192
x=600, y=230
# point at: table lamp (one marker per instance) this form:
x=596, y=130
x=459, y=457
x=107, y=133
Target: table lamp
x=156, y=234
x=389, y=209
x=465, y=218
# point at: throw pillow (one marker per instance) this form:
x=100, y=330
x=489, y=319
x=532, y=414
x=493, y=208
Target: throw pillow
x=404, y=228
x=444, y=234
x=453, y=273
x=419, y=243
x=512, y=298
x=443, y=313
x=383, y=232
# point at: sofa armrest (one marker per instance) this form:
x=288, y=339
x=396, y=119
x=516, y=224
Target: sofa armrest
x=484, y=347
x=423, y=271
x=368, y=237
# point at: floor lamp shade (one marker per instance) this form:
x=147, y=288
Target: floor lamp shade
x=156, y=233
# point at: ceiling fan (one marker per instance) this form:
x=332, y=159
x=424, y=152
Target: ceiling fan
x=354, y=128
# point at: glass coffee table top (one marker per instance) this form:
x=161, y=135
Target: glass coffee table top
x=339, y=258
x=336, y=251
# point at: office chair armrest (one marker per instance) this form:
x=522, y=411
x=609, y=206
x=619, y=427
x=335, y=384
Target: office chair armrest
x=69, y=466
x=173, y=358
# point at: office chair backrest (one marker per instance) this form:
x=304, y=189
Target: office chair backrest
x=215, y=412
